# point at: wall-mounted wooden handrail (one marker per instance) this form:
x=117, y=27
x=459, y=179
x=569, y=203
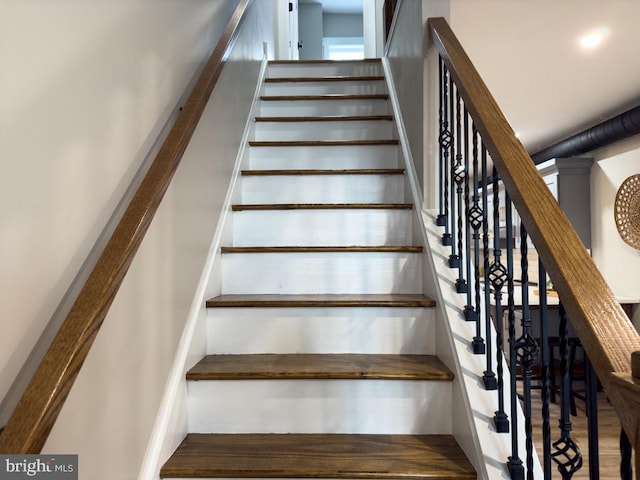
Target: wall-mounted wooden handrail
x=600, y=322
x=34, y=416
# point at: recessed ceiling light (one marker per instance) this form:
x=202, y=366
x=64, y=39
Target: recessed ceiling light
x=590, y=41
x=594, y=38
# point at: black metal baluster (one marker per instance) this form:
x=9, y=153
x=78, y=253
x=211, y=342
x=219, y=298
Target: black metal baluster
x=527, y=350
x=488, y=376
x=514, y=464
x=591, y=387
x=459, y=175
x=476, y=218
x=440, y=217
x=452, y=153
x=444, y=140
x=544, y=371
x=567, y=454
x=498, y=277
x=469, y=311
x=626, y=470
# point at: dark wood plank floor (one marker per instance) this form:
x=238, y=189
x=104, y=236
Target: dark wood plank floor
x=327, y=118
x=325, y=78
x=327, y=249
x=320, y=366
x=323, y=206
x=609, y=429
x=347, y=171
x=406, y=457
x=327, y=96
x=319, y=300
x=319, y=143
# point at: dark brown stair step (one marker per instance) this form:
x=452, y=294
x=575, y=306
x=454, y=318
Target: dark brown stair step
x=322, y=206
x=353, y=171
x=320, y=366
x=326, y=118
x=327, y=249
x=316, y=61
x=340, y=456
x=319, y=143
x=326, y=78
x=326, y=96
x=328, y=300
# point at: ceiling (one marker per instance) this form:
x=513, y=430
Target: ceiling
x=548, y=84
x=338, y=6
x=530, y=55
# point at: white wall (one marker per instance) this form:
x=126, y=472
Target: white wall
x=618, y=262
x=87, y=88
x=406, y=53
x=91, y=87
x=342, y=25
x=373, y=28
x=310, y=31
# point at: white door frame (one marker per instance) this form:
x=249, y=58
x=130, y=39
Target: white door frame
x=287, y=48
x=287, y=30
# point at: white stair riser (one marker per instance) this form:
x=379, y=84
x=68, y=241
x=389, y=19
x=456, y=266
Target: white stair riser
x=327, y=157
x=323, y=189
x=289, y=108
x=334, y=130
x=322, y=273
x=324, y=69
x=326, y=87
x=322, y=227
x=320, y=406
x=364, y=330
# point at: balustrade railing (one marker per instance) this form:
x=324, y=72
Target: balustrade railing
x=486, y=218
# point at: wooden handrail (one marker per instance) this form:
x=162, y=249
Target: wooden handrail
x=36, y=412
x=604, y=329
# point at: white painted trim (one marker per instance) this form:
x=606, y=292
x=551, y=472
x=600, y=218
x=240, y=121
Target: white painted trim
x=392, y=29
x=369, y=28
x=168, y=414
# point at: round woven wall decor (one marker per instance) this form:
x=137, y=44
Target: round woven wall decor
x=627, y=211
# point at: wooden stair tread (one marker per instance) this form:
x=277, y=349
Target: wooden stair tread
x=326, y=78
x=320, y=61
x=326, y=118
x=328, y=300
x=321, y=206
x=390, y=457
x=320, y=366
x=327, y=249
x=325, y=96
x=319, y=143
x=353, y=171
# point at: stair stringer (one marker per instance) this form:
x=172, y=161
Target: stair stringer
x=171, y=424
x=474, y=431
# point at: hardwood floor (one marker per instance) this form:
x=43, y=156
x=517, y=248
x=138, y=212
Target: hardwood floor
x=409, y=457
x=292, y=301
x=609, y=429
x=320, y=366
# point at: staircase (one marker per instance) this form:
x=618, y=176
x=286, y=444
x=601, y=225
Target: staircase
x=321, y=346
